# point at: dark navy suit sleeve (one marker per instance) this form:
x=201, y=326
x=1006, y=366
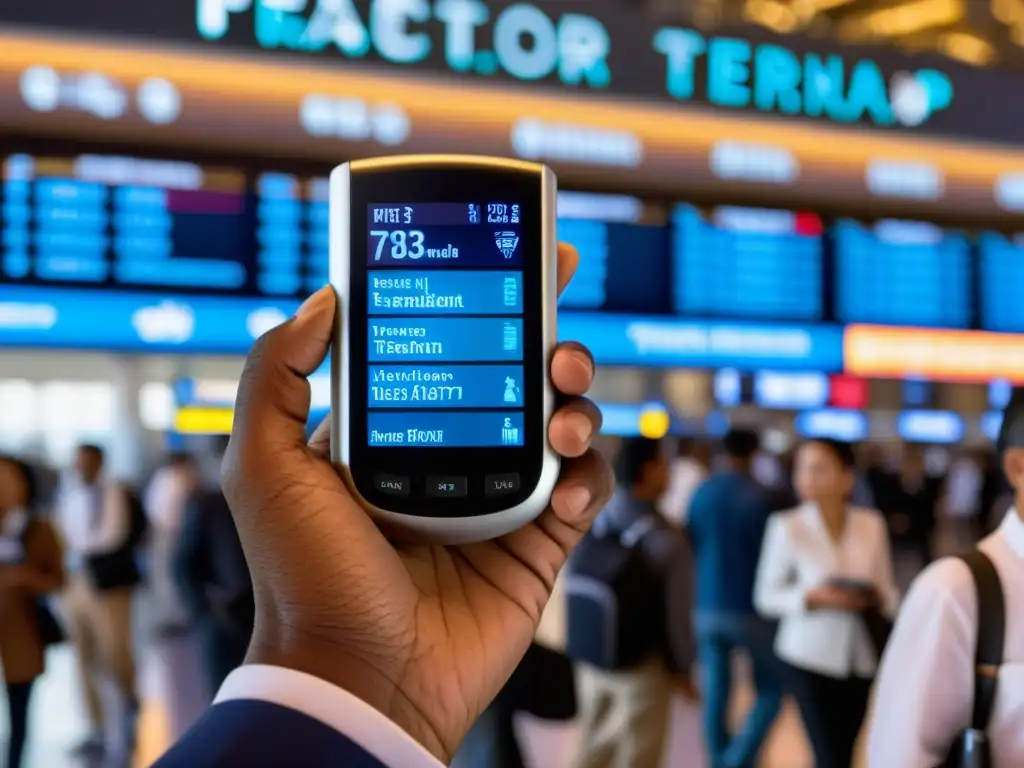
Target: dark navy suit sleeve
x=258, y=734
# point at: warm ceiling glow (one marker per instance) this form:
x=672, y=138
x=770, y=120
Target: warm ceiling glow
x=905, y=19
x=967, y=48
x=1008, y=11
x=771, y=14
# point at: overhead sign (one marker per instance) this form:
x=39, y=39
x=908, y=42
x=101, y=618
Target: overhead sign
x=209, y=97
x=595, y=47
x=627, y=340
x=971, y=356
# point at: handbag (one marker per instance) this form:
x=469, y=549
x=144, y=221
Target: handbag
x=49, y=629
x=544, y=685
x=971, y=748
x=879, y=628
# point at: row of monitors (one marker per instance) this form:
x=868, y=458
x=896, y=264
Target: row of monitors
x=798, y=391
x=654, y=420
x=178, y=227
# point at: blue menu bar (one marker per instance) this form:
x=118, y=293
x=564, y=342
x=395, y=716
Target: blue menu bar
x=456, y=386
x=401, y=292
x=445, y=429
x=445, y=340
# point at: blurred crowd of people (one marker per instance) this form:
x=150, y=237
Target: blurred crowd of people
x=796, y=561
x=111, y=568
x=707, y=549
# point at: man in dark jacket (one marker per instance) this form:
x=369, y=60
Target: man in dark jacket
x=215, y=585
x=625, y=710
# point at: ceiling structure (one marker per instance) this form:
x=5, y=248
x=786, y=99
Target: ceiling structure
x=978, y=32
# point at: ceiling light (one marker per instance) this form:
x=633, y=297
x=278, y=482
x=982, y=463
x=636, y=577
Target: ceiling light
x=967, y=48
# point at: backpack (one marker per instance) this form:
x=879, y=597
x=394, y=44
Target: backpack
x=609, y=620
x=971, y=748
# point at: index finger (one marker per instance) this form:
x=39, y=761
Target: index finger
x=568, y=260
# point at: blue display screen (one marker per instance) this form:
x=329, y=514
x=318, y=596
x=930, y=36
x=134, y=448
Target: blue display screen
x=623, y=266
x=168, y=226
x=445, y=304
x=1001, y=275
x=902, y=273
x=747, y=263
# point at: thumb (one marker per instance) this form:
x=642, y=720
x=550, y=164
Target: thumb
x=272, y=407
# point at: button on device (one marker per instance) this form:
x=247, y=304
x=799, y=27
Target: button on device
x=501, y=485
x=393, y=485
x=446, y=486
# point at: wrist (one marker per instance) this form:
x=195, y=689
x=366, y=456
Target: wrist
x=366, y=680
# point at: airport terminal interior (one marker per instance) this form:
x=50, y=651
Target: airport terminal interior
x=795, y=218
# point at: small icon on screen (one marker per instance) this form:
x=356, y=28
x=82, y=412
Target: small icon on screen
x=511, y=292
x=474, y=214
x=507, y=243
x=514, y=219
x=509, y=434
x=510, y=338
x=511, y=390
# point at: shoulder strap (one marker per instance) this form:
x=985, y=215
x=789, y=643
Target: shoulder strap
x=991, y=632
x=635, y=532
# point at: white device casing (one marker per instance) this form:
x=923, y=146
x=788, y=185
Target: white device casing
x=437, y=529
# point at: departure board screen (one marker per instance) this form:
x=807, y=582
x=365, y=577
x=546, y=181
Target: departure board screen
x=151, y=225
x=1001, y=280
x=747, y=263
x=902, y=273
x=445, y=299
x=623, y=266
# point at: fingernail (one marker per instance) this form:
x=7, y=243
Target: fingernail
x=580, y=425
x=577, y=499
x=314, y=304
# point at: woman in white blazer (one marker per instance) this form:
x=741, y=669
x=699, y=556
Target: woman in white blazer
x=822, y=565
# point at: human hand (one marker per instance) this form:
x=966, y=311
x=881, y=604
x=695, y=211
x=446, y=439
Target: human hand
x=836, y=598
x=426, y=634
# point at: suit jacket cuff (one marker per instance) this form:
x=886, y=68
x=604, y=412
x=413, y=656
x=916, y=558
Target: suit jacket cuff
x=330, y=705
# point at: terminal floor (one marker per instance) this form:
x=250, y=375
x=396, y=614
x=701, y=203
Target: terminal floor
x=57, y=722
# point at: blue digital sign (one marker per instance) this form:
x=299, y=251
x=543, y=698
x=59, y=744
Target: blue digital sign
x=750, y=263
x=167, y=226
x=833, y=423
x=645, y=341
x=902, y=273
x=1001, y=275
x=134, y=322
x=623, y=266
x=938, y=427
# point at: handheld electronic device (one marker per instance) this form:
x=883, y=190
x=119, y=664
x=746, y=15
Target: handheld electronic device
x=445, y=271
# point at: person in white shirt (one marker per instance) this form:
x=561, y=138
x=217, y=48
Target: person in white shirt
x=688, y=470
x=168, y=494
x=95, y=520
x=925, y=690
x=823, y=566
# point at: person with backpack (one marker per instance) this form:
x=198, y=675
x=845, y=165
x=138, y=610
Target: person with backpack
x=628, y=617
x=950, y=690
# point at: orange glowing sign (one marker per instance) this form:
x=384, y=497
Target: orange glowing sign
x=973, y=356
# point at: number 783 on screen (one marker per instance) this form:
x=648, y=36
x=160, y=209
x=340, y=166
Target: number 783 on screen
x=402, y=244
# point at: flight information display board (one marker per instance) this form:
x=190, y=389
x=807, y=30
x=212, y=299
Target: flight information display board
x=747, y=263
x=623, y=266
x=152, y=225
x=902, y=273
x=1000, y=280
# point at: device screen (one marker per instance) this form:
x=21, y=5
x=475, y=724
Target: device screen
x=446, y=396
x=446, y=353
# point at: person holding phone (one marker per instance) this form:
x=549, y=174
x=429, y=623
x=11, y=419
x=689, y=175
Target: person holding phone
x=824, y=566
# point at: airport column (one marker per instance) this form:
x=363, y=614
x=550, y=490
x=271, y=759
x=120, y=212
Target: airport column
x=127, y=444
